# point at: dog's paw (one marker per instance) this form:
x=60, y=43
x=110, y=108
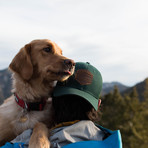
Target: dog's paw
x=41, y=143
x=39, y=137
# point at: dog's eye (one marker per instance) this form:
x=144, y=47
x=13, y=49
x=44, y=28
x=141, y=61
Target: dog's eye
x=47, y=49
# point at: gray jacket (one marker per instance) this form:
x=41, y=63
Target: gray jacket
x=24, y=137
x=80, y=131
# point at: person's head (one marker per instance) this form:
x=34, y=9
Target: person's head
x=78, y=97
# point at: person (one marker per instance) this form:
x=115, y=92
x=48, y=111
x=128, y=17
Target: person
x=76, y=103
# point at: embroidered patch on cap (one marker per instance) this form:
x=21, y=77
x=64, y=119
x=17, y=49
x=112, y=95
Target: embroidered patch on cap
x=84, y=77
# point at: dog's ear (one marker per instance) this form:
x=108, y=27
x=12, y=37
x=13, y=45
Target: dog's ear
x=22, y=64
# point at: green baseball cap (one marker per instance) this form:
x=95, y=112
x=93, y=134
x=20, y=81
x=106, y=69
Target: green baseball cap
x=86, y=82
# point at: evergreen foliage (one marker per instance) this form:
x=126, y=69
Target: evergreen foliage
x=127, y=114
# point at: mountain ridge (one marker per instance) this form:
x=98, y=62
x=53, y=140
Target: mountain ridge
x=6, y=86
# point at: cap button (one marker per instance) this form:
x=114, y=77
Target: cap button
x=87, y=62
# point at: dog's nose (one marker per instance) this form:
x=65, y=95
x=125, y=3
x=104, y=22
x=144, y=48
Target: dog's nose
x=69, y=62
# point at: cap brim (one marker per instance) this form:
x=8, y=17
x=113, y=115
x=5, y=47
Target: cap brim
x=72, y=91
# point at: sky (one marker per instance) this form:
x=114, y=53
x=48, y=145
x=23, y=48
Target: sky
x=110, y=34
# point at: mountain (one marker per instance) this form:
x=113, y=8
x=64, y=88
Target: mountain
x=5, y=84
x=140, y=87
x=108, y=87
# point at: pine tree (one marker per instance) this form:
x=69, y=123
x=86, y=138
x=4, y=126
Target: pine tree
x=112, y=109
x=133, y=131
x=134, y=93
x=127, y=114
x=146, y=90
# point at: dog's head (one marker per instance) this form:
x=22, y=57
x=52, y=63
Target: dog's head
x=42, y=58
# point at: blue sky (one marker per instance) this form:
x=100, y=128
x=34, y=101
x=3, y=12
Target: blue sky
x=111, y=34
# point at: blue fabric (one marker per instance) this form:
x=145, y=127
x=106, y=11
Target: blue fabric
x=13, y=145
x=112, y=141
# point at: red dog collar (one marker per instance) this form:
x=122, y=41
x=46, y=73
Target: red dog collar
x=30, y=106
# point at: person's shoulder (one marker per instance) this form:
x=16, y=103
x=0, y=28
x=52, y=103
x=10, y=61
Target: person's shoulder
x=111, y=139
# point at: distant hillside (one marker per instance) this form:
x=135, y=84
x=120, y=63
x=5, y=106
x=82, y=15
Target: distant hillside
x=108, y=87
x=140, y=87
x=5, y=84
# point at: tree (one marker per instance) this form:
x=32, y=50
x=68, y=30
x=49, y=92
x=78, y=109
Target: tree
x=145, y=94
x=112, y=108
x=127, y=114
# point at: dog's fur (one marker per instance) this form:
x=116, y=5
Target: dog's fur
x=36, y=68
x=39, y=137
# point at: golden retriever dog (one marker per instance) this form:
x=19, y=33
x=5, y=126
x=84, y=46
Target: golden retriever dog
x=36, y=68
